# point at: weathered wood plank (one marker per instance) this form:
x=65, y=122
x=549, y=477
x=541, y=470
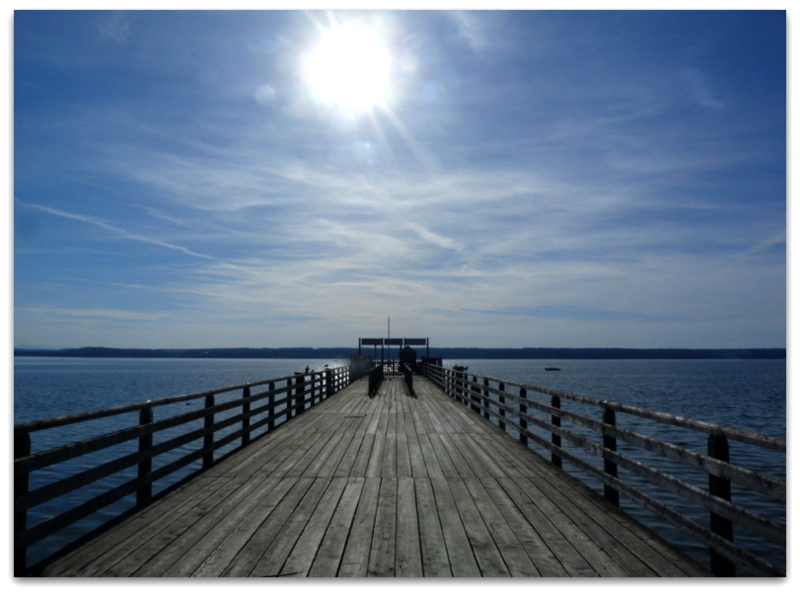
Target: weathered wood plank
x=312, y=457
x=445, y=462
x=329, y=454
x=482, y=463
x=196, y=543
x=435, y=561
x=361, y=461
x=549, y=556
x=408, y=556
x=345, y=466
x=355, y=559
x=596, y=545
x=490, y=561
x=384, y=534
x=459, y=549
x=389, y=464
x=456, y=456
x=375, y=465
x=422, y=422
x=273, y=559
x=246, y=559
x=402, y=455
x=564, y=543
x=305, y=549
x=513, y=552
x=140, y=559
x=375, y=414
x=329, y=554
x=113, y=546
x=416, y=458
x=429, y=456
x=236, y=540
x=400, y=412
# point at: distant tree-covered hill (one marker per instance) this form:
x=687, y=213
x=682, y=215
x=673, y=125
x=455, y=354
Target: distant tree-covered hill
x=443, y=352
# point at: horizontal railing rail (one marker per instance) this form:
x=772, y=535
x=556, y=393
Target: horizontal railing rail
x=519, y=413
x=222, y=420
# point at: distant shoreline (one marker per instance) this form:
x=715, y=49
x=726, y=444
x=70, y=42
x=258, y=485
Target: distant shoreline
x=443, y=352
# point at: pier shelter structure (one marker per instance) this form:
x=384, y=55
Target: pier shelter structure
x=385, y=343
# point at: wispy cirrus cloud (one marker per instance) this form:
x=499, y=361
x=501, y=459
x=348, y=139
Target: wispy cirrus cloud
x=94, y=313
x=112, y=228
x=114, y=26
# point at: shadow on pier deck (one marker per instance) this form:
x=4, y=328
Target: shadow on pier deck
x=387, y=486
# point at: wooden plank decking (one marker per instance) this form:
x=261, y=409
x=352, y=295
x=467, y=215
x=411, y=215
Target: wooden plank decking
x=389, y=486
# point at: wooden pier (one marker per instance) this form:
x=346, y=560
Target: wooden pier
x=390, y=485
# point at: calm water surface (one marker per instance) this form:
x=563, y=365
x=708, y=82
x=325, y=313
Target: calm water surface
x=748, y=394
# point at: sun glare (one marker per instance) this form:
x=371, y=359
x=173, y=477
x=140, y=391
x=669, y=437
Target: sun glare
x=349, y=69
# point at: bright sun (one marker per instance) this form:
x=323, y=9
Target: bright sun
x=349, y=69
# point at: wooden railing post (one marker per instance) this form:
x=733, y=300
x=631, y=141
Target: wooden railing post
x=22, y=448
x=208, y=438
x=720, y=487
x=523, y=408
x=486, y=411
x=501, y=386
x=459, y=391
x=330, y=389
x=555, y=420
x=473, y=399
x=145, y=491
x=246, y=417
x=610, y=442
x=502, y=410
x=300, y=391
x=271, y=407
x=289, y=399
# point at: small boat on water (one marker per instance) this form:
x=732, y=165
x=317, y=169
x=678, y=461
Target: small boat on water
x=552, y=369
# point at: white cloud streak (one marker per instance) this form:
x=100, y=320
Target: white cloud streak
x=112, y=228
x=94, y=313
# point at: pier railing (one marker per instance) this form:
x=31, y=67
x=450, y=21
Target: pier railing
x=568, y=425
x=136, y=447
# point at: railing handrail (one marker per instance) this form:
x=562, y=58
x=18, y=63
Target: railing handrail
x=477, y=392
x=746, y=436
x=62, y=420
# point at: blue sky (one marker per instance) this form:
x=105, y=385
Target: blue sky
x=523, y=178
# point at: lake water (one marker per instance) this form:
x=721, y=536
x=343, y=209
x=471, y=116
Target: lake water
x=747, y=394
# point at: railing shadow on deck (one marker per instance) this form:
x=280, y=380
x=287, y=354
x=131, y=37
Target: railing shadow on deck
x=544, y=424
x=120, y=465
